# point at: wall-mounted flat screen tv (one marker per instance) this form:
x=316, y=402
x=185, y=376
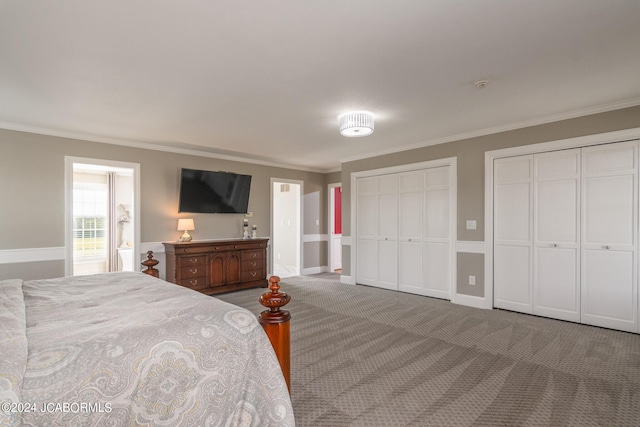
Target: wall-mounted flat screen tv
x=213, y=192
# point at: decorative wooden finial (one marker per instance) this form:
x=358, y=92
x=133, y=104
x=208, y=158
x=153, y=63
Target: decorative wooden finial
x=273, y=301
x=276, y=324
x=150, y=263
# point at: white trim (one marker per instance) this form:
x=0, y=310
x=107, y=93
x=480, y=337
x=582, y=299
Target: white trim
x=470, y=301
x=347, y=280
x=10, y=256
x=345, y=240
x=470, y=247
x=68, y=202
x=306, y=238
x=489, y=131
x=158, y=147
x=155, y=247
x=452, y=162
x=315, y=270
x=331, y=224
x=300, y=238
x=490, y=156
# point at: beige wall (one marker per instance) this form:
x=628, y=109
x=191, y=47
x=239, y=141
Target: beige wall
x=32, y=192
x=470, y=166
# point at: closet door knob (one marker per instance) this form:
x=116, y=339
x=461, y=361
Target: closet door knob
x=555, y=245
x=607, y=247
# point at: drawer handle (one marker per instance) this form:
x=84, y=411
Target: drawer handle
x=253, y=264
x=217, y=248
x=253, y=255
x=193, y=270
x=193, y=282
x=193, y=260
x=235, y=246
x=185, y=250
x=253, y=274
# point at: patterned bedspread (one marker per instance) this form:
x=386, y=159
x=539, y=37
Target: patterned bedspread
x=122, y=349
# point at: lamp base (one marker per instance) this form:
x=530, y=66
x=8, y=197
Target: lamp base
x=186, y=237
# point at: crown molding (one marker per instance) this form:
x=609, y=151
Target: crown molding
x=155, y=147
x=498, y=129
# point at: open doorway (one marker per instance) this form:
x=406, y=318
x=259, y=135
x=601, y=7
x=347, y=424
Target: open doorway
x=286, y=227
x=335, y=227
x=102, y=232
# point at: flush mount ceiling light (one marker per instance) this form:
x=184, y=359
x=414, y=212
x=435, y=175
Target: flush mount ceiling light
x=356, y=123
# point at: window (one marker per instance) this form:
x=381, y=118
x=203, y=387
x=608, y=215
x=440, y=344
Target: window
x=89, y=220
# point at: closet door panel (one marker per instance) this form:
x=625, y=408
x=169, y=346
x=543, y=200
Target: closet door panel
x=609, y=250
x=556, y=263
x=512, y=212
x=609, y=214
x=367, y=262
x=387, y=264
x=410, y=267
x=609, y=289
x=437, y=214
x=388, y=215
x=513, y=241
x=512, y=272
x=557, y=211
x=367, y=216
x=557, y=284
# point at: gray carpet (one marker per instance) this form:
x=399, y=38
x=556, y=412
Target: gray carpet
x=362, y=356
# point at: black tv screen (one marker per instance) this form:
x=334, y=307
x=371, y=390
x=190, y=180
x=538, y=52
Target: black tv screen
x=213, y=192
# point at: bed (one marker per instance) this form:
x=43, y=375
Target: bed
x=128, y=349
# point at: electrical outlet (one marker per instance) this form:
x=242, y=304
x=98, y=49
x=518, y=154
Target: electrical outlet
x=472, y=280
x=248, y=215
x=471, y=224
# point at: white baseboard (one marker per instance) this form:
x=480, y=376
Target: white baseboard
x=471, y=301
x=10, y=256
x=347, y=280
x=315, y=270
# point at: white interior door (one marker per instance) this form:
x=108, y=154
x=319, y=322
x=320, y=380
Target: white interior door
x=513, y=230
x=367, y=231
x=388, y=232
x=437, y=232
x=410, y=202
x=556, y=272
x=609, y=215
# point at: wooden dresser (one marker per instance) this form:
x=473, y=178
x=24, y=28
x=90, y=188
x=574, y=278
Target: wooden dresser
x=216, y=266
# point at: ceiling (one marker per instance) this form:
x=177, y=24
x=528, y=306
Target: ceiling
x=266, y=80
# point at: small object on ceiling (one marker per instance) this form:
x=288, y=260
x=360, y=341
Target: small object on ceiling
x=356, y=123
x=481, y=84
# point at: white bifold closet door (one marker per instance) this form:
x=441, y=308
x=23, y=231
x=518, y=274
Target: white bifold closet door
x=610, y=233
x=404, y=231
x=377, y=236
x=565, y=235
x=425, y=235
x=556, y=235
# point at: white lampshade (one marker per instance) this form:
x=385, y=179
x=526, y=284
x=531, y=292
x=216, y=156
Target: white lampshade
x=185, y=224
x=356, y=123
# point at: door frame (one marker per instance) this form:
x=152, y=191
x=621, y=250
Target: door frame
x=300, y=222
x=452, y=162
x=69, y=161
x=331, y=204
x=490, y=156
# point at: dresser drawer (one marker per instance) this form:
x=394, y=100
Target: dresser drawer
x=255, y=264
x=252, y=255
x=191, y=261
x=196, y=283
x=194, y=271
x=248, y=276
